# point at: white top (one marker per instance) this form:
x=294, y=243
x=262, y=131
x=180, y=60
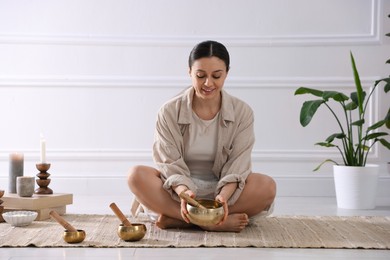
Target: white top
x=201, y=148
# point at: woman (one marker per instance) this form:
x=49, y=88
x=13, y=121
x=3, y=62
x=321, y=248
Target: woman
x=203, y=143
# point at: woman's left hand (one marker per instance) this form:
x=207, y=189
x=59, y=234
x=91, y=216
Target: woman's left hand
x=222, y=200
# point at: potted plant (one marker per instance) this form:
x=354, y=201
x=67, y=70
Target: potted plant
x=355, y=180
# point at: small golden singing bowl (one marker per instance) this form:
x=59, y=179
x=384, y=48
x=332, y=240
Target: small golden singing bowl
x=210, y=216
x=133, y=233
x=74, y=237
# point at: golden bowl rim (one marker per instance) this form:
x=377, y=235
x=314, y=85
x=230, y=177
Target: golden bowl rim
x=130, y=234
x=220, y=205
x=195, y=219
x=80, y=236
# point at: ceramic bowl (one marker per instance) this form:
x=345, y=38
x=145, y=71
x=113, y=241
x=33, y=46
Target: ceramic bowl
x=20, y=218
x=210, y=216
x=133, y=233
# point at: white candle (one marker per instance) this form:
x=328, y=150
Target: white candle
x=43, y=149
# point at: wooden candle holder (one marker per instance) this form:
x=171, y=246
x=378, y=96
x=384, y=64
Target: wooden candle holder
x=43, y=180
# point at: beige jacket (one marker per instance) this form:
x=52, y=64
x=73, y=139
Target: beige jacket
x=235, y=142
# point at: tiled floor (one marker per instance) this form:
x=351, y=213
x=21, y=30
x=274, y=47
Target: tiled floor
x=284, y=206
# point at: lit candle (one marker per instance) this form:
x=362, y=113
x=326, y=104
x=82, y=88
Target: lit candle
x=16, y=165
x=43, y=149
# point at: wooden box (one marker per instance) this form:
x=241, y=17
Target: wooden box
x=42, y=204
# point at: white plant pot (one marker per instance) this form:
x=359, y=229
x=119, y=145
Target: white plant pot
x=356, y=187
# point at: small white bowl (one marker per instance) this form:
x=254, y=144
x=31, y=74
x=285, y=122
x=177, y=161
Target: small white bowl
x=20, y=218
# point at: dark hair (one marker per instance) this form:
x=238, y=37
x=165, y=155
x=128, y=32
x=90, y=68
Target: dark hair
x=209, y=49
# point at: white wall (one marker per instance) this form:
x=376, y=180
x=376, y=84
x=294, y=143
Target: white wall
x=91, y=75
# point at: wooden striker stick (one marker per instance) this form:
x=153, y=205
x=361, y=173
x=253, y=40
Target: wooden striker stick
x=190, y=200
x=120, y=215
x=62, y=221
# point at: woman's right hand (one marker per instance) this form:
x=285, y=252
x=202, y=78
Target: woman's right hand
x=183, y=206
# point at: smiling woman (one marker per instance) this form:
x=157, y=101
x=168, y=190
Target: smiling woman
x=208, y=77
x=203, y=144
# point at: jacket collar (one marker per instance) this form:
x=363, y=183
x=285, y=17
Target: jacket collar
x=227, y=112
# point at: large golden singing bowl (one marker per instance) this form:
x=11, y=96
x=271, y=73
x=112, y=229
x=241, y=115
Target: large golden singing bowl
x=133, y=233
x=74, y=237
x=210, y=216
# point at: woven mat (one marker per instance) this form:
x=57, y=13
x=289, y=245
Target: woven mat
x=270, y=232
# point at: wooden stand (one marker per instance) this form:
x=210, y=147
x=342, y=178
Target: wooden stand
x=43, y=180
x=42, y=204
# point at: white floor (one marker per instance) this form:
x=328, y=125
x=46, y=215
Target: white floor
x=284, y=206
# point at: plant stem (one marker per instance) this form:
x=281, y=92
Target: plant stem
x=364, y=154
x=345, y=146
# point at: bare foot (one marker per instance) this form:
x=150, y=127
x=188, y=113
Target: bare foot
x=234, y=223
x=165, y=222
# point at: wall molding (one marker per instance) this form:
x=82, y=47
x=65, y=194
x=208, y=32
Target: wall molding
x=176, y=82
x=371, y=38
x=110, y=82
x=188, y=41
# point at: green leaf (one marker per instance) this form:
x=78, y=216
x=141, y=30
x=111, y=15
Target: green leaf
x=355, y=99
x=358, y=85
x=376, y=125
x=350, y=106
x=325, y=144
x=363, y=147
x=387, y=84
x=387, y=119
x=303, y=90
x=384, y=143
x=375, y=135
x=327, y=160
x=337, y=96
x=333, y=136
x=308, y=110
x=359, y=122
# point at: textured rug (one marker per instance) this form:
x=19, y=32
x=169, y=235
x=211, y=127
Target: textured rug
x=270, y=232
